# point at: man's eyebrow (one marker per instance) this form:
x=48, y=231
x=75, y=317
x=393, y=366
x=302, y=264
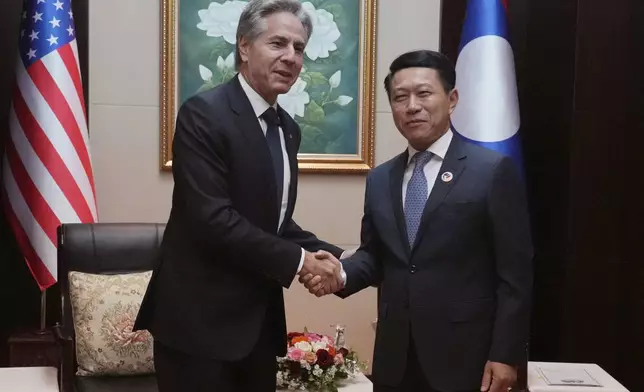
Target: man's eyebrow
x=282, y=39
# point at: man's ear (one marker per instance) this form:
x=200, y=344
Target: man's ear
x=453, y=100
x=243, y=46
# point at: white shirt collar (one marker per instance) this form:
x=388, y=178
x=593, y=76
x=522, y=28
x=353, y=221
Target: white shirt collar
x=258, y=103
x=438, y=148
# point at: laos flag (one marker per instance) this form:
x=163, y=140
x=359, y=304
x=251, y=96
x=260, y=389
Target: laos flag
x=487, y=113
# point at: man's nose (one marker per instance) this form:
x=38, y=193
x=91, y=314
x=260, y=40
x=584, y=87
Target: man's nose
x=289, y=54
x=413, y=106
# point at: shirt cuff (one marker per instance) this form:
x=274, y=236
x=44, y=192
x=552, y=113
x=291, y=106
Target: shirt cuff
x=344, y=276
x=299, y=268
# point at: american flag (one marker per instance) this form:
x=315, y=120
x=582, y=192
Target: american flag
x=47, y=171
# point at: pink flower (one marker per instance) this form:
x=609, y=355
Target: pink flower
x=313, y=337
x=295, y=354
x=338, y=360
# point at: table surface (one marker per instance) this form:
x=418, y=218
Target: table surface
x=29, y=379
x=359, y=384
x=537, y=384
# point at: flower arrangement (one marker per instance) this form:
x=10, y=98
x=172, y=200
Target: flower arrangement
x=315, y=363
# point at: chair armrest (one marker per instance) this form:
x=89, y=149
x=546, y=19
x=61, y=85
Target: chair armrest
x=68, y=360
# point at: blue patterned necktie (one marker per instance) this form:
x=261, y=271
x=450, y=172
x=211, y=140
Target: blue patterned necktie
x=416, y=196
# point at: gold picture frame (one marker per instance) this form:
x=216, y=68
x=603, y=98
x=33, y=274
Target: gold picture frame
x=360, y=159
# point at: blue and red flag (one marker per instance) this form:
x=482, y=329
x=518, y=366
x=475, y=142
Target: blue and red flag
x=488, y=110
x=47, y=176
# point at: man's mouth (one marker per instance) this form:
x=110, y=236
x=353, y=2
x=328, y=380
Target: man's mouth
x=284, y=74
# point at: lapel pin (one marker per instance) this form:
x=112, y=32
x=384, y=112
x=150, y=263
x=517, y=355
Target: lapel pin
x=447, y=176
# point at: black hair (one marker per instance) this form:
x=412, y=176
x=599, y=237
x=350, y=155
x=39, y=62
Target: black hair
x=427, y=59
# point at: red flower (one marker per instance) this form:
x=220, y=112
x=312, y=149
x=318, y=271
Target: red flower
x=324, y=358
x=291, y=335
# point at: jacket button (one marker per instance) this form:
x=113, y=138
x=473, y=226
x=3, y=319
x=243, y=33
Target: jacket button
x=413, y=269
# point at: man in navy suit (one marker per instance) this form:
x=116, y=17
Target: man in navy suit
x=214, y=303
x=446, y=238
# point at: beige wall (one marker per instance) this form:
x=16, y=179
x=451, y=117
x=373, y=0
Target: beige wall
x=124, y=127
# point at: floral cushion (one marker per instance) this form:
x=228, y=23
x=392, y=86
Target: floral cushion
x=104, y=308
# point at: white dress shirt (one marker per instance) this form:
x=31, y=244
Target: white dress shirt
x=438, y=150
x=260, y=105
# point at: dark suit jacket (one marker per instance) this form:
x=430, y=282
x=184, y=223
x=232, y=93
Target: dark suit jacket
x=223, y=264
x=463, y=291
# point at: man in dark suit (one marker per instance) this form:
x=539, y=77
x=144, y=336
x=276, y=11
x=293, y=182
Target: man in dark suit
x=214, y=304
x=446, y=238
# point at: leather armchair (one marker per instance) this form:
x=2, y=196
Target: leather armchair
x=101, y=248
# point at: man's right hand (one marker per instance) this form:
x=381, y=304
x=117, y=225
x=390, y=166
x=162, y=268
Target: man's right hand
x=324, y=271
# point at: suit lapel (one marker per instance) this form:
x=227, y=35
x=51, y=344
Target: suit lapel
x=257, y=150
x=395, y=186
x=454, y=163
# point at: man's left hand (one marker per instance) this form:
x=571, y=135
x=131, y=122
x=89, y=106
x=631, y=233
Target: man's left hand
x=498, y=377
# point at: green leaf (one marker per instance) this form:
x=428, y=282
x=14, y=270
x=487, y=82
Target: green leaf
x=310, y=139
x=309, y=132
x=306, y=77
x=317, y=79
x=220, y=47
x=314, y=112
x=205, y=86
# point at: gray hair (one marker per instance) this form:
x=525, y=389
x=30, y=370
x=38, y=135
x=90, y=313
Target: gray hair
x=252, y=20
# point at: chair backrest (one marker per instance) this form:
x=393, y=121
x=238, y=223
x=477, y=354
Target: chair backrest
x=104, y=248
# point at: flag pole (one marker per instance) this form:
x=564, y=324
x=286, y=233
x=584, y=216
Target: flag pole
x=43, y=311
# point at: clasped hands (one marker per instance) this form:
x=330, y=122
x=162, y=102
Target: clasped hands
x=321, y=273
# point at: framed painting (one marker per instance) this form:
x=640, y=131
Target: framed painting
x=333, y=100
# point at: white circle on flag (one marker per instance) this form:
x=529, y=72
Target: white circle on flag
x=488, y=106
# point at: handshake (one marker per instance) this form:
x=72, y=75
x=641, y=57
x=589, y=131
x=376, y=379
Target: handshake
x=321, y=273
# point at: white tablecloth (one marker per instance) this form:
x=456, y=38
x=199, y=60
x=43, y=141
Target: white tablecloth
x=359, y=384
x=536, y=383
x=29, y=379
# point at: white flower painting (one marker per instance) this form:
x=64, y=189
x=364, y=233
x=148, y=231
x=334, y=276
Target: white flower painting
x=325, y=32
x=220, y=20
x=295, y=101
x=323, y=100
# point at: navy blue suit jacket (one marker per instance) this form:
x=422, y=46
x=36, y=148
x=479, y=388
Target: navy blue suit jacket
x=463, y=290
